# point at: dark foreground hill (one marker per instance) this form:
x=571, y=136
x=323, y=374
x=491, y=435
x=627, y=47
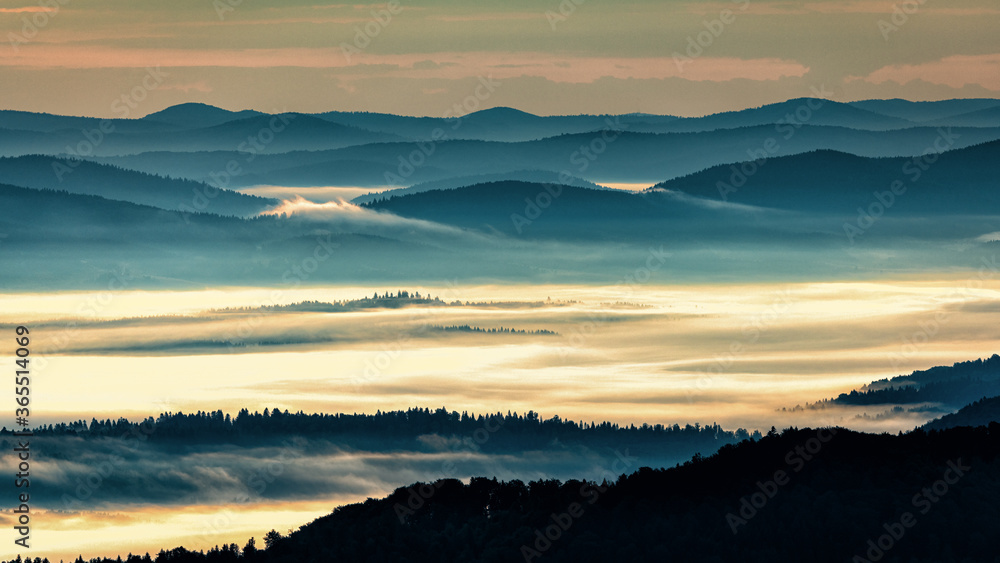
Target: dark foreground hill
x=802, y=495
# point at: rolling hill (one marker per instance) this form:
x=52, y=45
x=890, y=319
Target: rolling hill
x=960, y=182
x=595, y=157
x=195, y=115
x=111, y=182
x=921, y=112
x=532, y=176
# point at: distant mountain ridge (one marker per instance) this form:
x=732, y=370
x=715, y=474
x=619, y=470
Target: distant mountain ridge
x=197, y=115
x=524, y=200
x=921, y=112
x=513, y=125
x=626, y=156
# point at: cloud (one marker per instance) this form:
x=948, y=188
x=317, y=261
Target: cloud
x=200, y=86
x=107, y=473
x=885, y=7
x=489, y=17
x=716, y=204
x=955, y=71
x=443, y=65
x=347, y=217
x=27, y=10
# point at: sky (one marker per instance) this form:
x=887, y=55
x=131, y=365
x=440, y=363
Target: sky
x=114, y=58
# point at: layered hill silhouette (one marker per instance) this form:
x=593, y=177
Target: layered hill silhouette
x=922, y=112
x=987, y=117
x=65, y=240
x=602, y=156
x=512, y=208
x=526, y=184
x=825, y=183
x=812, y=111
x=509, y=124
x=495, y=124
x=360, y=148
x=246, y=136
x=72, y=240
x=89, y=178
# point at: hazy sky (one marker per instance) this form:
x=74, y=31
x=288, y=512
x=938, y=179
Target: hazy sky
x=544, y=56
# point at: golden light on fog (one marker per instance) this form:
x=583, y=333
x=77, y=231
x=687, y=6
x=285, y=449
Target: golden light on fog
x=727, y=354
x=142, y=529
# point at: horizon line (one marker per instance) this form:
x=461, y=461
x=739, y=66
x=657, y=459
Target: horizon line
x=499, y=107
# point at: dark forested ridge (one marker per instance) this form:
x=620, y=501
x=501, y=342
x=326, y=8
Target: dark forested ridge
x=389, y=300
x=519, y=430
x=953, y=386
x=800, y=495
x=979, y=413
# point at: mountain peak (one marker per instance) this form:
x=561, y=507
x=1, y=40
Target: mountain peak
x=502, y=112
x=196, y=113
